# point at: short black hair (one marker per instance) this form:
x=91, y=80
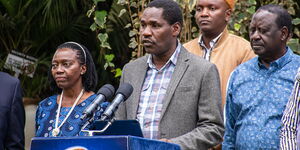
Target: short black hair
x=283, y=17
x=89, y=78
x=171, y=10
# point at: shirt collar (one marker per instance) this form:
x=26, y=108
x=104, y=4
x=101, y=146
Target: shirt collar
x=212, y=43
x=280, y=62
x=172, y=59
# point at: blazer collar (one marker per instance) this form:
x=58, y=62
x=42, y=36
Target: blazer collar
x=138, y=83
x=180, y=69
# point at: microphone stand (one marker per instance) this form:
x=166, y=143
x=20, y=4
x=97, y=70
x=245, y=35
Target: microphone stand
x=91, y=132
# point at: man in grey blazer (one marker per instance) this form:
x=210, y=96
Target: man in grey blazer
x=176, y=96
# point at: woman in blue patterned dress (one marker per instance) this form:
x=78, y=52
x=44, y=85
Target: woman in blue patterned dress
x=73, y=76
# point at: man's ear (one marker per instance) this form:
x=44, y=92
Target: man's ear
x=176, y=28
x=228, y=13
x=285, y=36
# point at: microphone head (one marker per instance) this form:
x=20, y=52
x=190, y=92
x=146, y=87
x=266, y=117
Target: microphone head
x=107, y=90
x=125, y=89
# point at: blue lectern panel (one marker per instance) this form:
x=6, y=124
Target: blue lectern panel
x=86, y=143
x=119, y=127
x=100, y=143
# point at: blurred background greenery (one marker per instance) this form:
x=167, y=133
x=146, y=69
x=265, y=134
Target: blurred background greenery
x=108, y=28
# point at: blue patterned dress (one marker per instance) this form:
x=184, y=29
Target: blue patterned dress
x=46, y=115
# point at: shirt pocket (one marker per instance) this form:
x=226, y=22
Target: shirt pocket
x=185, y=88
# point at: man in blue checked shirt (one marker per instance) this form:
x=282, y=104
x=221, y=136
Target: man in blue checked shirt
x=176, y=96
x=258, y=90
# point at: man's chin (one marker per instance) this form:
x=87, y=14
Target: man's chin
x=258, y=51
x=205, y=29
x=149, y=50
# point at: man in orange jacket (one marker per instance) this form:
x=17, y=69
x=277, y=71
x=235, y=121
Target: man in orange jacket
x=215, y=43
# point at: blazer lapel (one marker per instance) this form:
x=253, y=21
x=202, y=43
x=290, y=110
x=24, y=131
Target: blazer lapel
x=180, y=68
x=137, y=82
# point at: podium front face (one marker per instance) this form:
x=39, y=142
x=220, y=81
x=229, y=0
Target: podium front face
x=100, y=143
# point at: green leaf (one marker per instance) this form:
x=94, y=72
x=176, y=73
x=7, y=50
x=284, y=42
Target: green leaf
x=109, y=57
x=93, y=27
x=96, y=1
x=121, y=2
x=110, y=64
x=105, y=66
x=133, y=32
x=194, y=29
x=128, y=25
x=118, y=72
x=102, y=37
x=122, y=12
x=252, y=2
x=251, y=10
x=103, y=40
x=294, y=45
x=133, y=44
x=237, y=26
x=134, y=5
x=100, y=18
x=296, y=21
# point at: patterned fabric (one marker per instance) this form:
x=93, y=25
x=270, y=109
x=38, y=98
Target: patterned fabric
x=46, y=115
x=256, y=99
x=153, y=91
x=206, y=50
x=290, y=120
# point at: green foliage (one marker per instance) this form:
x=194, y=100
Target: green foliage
x=122, y=27
x=240, y=19
x=36, y=28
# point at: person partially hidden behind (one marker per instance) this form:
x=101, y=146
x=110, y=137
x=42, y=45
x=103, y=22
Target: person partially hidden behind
x=290, y=131
x=176, y=96
x=73, y=76
x=12, y=114
x=258, y=90
x=215, y=43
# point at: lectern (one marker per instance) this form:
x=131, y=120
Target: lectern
x=121, y=135
x=100, y=143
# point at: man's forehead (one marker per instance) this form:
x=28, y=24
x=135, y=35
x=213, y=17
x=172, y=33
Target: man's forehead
x=264, y=16
x=152, y=13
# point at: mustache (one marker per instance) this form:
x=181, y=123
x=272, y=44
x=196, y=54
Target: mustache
x=147, y=41
x=256, y=43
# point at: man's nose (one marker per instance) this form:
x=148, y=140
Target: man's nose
x=204, y=12
x=146, y=31
x=255, y=35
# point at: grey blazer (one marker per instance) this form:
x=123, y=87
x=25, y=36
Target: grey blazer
x=191, y=114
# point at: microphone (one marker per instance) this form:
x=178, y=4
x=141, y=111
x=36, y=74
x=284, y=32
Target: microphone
x=122, y=94
x=105, y=92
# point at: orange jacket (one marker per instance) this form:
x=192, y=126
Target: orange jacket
x=229, y=51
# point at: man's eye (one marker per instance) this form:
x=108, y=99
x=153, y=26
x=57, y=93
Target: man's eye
x=212, y=8
x=198, y=9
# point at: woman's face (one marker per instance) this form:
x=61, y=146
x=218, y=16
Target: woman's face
x=66, y=68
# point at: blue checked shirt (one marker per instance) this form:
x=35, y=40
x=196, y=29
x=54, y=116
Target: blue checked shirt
x=256, y=99
x=290, y=119
x=153, y=92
